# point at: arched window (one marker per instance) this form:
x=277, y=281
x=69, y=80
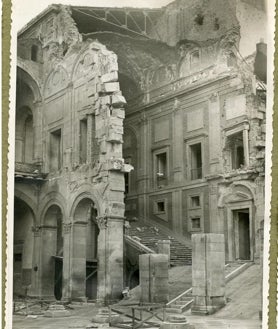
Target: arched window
x=34, y=53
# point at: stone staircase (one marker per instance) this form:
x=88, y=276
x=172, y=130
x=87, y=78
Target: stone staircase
x=148, y=235
x=184, y=301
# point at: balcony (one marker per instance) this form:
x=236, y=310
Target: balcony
x=28, y=171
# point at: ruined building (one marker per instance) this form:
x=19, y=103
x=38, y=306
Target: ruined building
x=147, y=116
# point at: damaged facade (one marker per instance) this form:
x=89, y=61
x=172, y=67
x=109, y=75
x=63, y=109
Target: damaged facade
x=122, y=114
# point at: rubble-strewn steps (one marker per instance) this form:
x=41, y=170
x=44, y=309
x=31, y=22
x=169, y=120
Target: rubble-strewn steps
x=180, y=254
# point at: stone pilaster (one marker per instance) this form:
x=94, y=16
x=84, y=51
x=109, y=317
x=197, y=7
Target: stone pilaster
x=110, y=259
x=67, y=230
x=78, y=261
x=47, y=263
x=178, y=142
x=34, y=289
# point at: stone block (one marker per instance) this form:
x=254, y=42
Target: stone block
x=118, y=101
x=109, y=77
x=115, y=137
x=119, y=113
x=115, y=164
x=110, y=87
x=105, y=100
x=208, y=266
x=154, y=278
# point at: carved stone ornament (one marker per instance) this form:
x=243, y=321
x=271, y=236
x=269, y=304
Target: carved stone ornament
x=102, y=222
x=67, y=228
x=36, y=230
x=213, y=97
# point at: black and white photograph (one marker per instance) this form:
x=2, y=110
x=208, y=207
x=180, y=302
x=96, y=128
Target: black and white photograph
x=139, y=164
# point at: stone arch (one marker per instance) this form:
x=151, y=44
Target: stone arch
x=24, y=197
x=84, y=192
x=52, y=198
x=24, y=220
x=84, y=248
x=86, y=49
x=25, y=74
x=52, y=251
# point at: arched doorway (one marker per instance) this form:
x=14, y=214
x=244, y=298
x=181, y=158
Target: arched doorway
x=85, y=241
x=52, y=253
x=23, y=247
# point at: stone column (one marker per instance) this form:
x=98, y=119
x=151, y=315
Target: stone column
x=34, y=289
x=78, y=261
x=214, y=134
x=246, y=147
x=37, y=119
x=110, y=259
x=178, y=142
x=208, y=278
x=47, y=266
x=143, y=155
x=67, y=229
x=154, y=278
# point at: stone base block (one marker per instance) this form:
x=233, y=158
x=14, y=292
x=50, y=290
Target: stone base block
x=103, y=317
x=207, y=305
x=56, y=311
x=176, y=321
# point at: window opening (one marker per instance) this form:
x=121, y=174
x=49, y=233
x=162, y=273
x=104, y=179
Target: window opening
x=196, y=161
x=55, y=150
x=34, y=53
x=195, y=57
x=199, y=19
x=83, y=141
x=161, y=168
x=196, y=223
x=195, y=201
x=236, y=148
x=127, y=178
x=160, y=206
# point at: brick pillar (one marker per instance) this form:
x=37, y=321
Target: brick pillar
x=154, y=278
x=208, y=278
x=110, y=259
x=78, y=261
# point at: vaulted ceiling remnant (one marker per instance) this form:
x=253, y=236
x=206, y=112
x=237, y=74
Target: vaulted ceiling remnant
x=127, y=21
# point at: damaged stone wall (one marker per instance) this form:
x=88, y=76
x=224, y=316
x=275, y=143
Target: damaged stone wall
x=80, y=87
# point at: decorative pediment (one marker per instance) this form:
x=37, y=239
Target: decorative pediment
x=56, y=81
x=85, y=65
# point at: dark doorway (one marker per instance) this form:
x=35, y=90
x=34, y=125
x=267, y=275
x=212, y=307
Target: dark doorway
x=58, y=285
x=134, y=279
x=91, y=280
x=243, y=235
